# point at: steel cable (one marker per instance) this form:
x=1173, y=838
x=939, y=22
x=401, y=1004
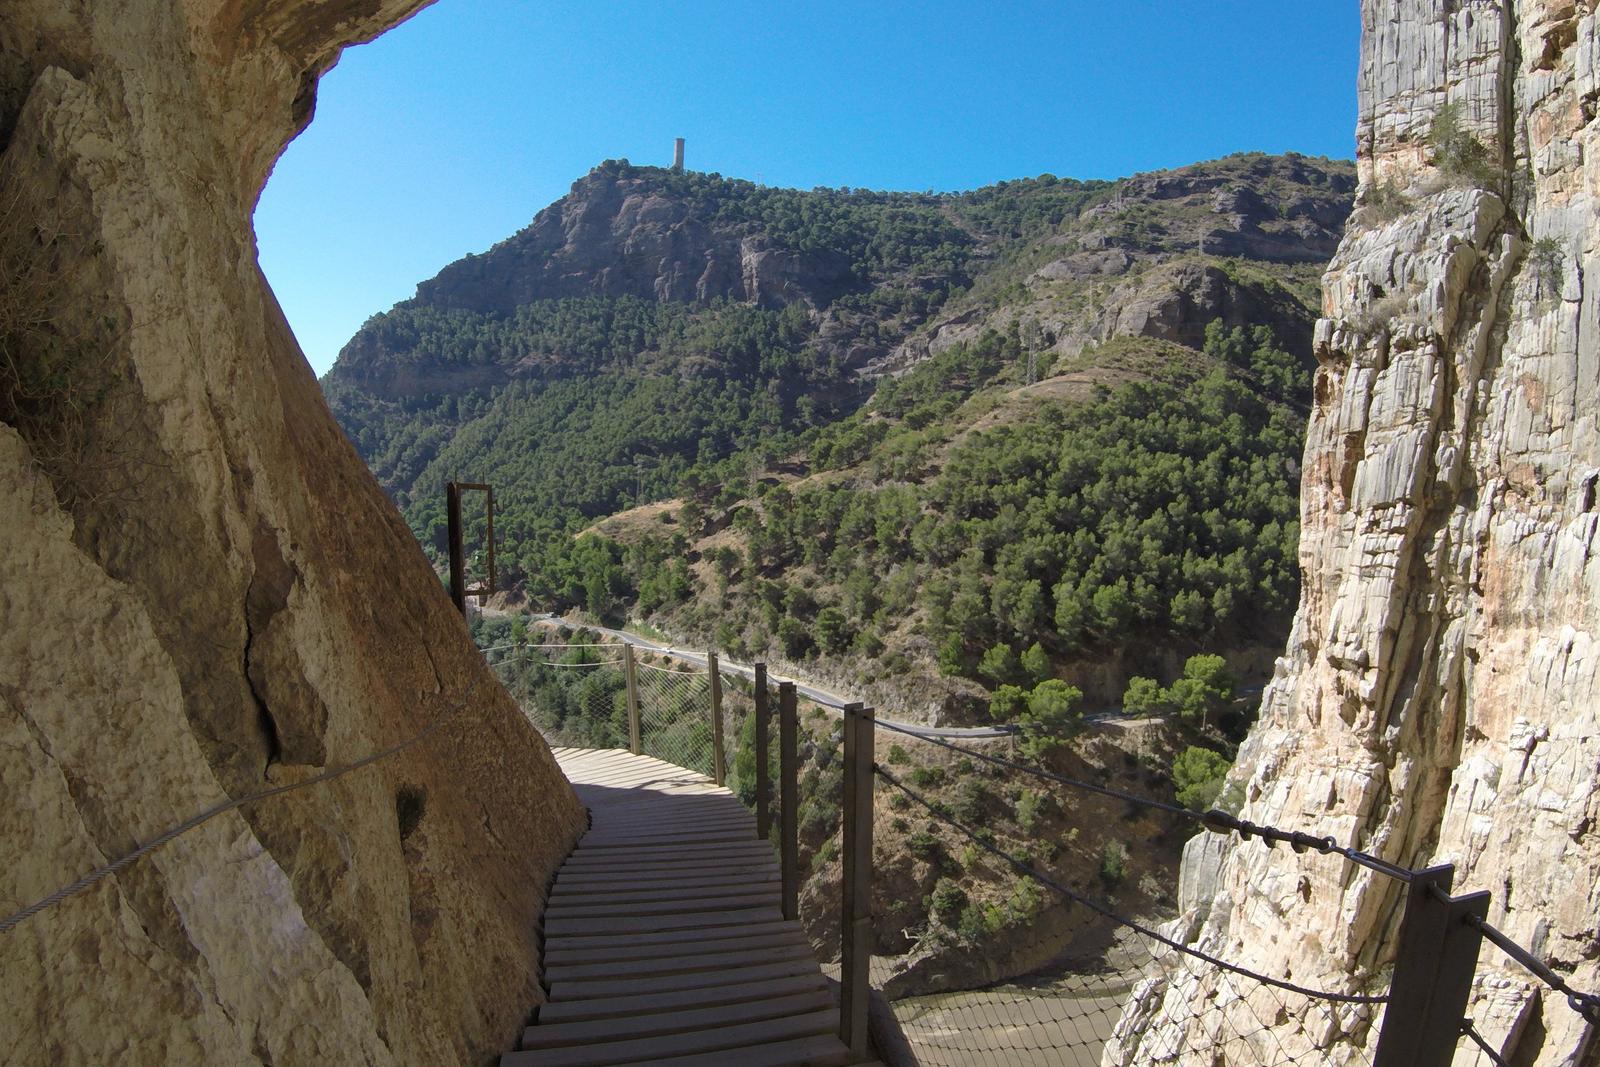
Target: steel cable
x=1046, y=880
x=212, y=812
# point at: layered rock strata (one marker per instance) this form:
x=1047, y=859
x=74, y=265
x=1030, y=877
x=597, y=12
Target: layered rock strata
x=203, y=594
x=1438, y=700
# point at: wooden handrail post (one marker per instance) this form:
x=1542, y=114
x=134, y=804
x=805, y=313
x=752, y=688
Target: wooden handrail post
x=630, y=677
x=788, y=798
x=458, y=568
x=763, y=778
x=855, y=919
x=719, y=759
x=1434, y=963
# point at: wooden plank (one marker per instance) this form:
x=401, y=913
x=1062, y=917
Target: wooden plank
x=627, y=987
x=827, y=1051
x=643, y=924
x=672, y=937
x=660, y=866
x=654, y=899
x=671, y=819
x=557, y=1035
x=731, y=899
x=701, y=997
x=624, y=950
x=583, y=859
x=616, y=889
x=700, y=961
x=663, y=939
x=751, y=874
x=677, y=839
x=694, y=1043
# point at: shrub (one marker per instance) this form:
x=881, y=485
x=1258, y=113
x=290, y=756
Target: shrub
x=971, y=799
x=1054, y=711
x=1144, y=696
x=924, y=846
x=1206, y=687
x=1545, y=260
x=1028, y=809
x=1008, y=703
x=1113, y=863
x=926, y=777
x=1197, y=774
x=947, y=901
x=1456, y=151
x=897, y=756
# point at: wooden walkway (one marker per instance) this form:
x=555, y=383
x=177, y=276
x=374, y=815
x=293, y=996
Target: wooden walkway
x=664, y=942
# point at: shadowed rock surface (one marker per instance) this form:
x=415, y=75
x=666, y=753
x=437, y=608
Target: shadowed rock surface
x=203, y=593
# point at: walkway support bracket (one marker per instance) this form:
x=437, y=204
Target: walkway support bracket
x=855, y=917
x=763, y=742
x=630, y=676
x=1434, y=963
x=458, y=559
x=719, y=759
x=789, y=798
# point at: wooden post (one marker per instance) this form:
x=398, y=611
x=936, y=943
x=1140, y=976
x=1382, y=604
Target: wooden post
x=1434, y=963
x=763, y=778
x=458, y=575
x=788, y=798
x=855, y=919
x=630, y=676
x=719, y=758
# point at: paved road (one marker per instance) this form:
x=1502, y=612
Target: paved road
x=811, y=692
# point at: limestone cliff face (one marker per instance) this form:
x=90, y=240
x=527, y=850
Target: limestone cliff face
x=203, y=593
x=1438, y=699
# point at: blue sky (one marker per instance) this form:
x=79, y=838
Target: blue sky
x=451, y=131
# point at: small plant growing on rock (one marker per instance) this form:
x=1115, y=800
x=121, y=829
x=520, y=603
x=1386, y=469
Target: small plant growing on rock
x=1113, y=863
x=1458, y=154
x=1382, y=201
x=1549, y=273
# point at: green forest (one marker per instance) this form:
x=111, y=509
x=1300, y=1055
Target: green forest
x=995, y=514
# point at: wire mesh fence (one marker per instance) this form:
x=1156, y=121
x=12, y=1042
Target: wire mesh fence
x=675, y=715
x=577, y=694
x=574, y=694
x=1126, y=993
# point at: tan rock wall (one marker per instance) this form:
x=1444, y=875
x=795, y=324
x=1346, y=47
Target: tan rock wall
x=203, y=593
x=1438, y=700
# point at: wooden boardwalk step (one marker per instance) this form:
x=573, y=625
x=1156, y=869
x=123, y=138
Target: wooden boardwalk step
x=704, y=961
x=671, y=937
x=626, y=987
x=713, y=1039
x=664, y=943
x=825, y=1051
x=571, y=1011
x=622, y=951
x=554, y=1035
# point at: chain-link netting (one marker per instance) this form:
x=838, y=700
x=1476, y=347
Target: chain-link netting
x=574, y=694
x=675, y=715
x=1126, y=992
